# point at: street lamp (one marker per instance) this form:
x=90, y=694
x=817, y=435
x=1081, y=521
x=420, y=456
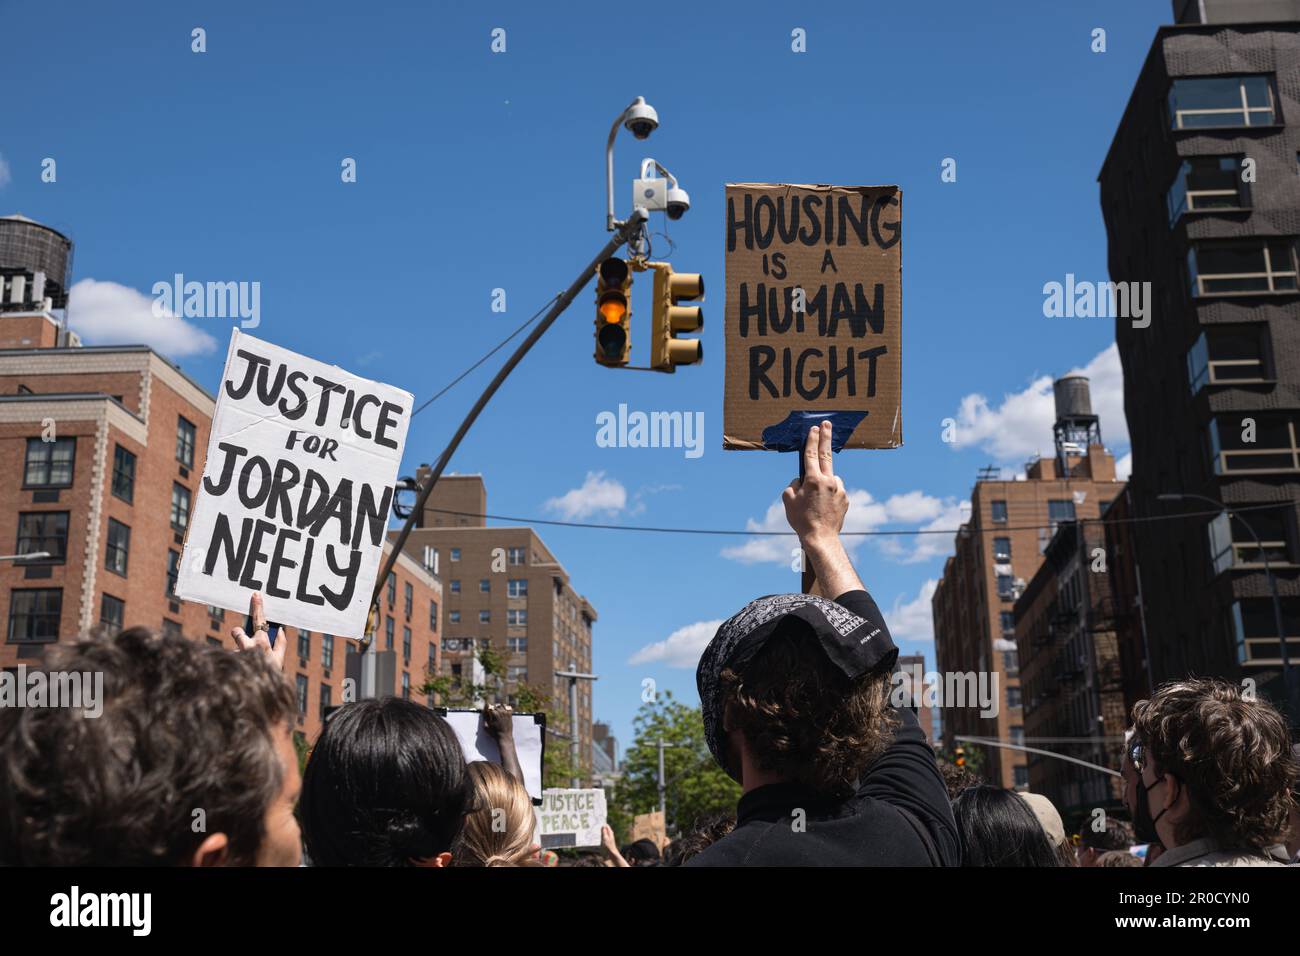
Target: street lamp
x=640, y=119
x=575, y=738
x=1293, y=703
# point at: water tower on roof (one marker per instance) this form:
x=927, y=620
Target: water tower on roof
x=1076, y=426
x=35, y=265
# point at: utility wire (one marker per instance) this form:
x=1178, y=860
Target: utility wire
x=998, y=529
x=496, y=348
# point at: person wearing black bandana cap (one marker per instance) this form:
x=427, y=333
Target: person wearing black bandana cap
x=794, y=694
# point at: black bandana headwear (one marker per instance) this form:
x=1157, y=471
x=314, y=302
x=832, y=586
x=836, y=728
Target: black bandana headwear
x=854, y=644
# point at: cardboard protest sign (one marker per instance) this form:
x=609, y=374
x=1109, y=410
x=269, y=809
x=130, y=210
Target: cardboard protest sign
x=571, y=817
x=813, y=315
x=296, y=489
x=649, y=826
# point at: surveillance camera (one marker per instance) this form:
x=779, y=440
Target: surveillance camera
x=641, y=119
x=678, y=202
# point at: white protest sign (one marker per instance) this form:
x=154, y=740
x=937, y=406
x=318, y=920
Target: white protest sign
x=296, y=489
x=571, y=817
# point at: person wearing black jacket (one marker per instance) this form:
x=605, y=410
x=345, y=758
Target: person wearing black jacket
x=794, y=691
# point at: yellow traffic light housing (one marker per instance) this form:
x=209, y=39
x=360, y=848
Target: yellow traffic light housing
x=666, y=350
x=613, y=310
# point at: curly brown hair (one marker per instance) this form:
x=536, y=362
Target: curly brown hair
x=804, y=718
x=1233, y=755
x=185, y=727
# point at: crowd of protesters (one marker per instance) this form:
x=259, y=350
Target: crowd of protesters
x=192, y=761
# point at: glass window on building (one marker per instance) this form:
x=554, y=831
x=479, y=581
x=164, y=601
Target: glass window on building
x=433, y=616
x=1021, y=776
x=408, y=599
x=453, y=617
x=49, y=464
x=1002, y=550
x=392, y=588
x=112, y=612
x=406, y=643
x=1208, y=101
x=173, y=569
x=123, y=474
x=327, y=651
x=484, y=585
x=1268, y=445
x=1005, y=584
x=1058, y=510
x=517, y=618
x=185, y=441
x=517, y=556
x=517, y=673
x=180, y=507
x=304, y=645
x=1008, y=623
x=388, y=633
x=517, y=588
x=43, y=531
x=455, y=554
x=999, y=509
x=301, y=683
x=517, y=645
x=484, y=617
x=118, y=551
x=1206, y=183
x=455, y=587
x=1227, y=355
x=326, y=700
x=1241, y=266
x=406, y=686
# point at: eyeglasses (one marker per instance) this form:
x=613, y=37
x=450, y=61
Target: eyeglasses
x=1137, y=752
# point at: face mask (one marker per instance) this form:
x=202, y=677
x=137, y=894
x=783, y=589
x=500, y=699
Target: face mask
x=1144, y=827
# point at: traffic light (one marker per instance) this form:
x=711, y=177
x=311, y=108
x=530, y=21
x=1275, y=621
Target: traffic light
x=959, y=756
x=612, y=312
x=666, y=350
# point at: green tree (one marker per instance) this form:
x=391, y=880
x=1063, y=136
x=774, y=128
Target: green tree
x=695, y=785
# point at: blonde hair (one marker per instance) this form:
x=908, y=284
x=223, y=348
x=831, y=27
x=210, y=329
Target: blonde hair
x=499, y=830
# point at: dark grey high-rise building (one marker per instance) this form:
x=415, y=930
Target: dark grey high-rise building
x=1201, y=197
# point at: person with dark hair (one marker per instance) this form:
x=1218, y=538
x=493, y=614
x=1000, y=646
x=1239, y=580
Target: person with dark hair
x=1092, y=843
x=190, y=763
x=386, y=785
x=1209, y=774
x=955, y=778
x=999, y=828
x=643, y=852
x=794, y=692
x=707, y=832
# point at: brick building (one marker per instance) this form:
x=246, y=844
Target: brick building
x=997, y=551
x=505, y=589
x=1072, y=694
x=1201, y=199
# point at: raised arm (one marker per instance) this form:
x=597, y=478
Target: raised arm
x=815, y=507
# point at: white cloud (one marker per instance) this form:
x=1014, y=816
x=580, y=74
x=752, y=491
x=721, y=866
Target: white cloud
x=865, y=514
x=5, y=176
x=1022, y=424
x=913, y=621
x=1124, y=467
x=681, y=648
x=105, y=313
x=597, y=494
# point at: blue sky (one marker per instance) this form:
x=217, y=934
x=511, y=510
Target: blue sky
x=478, y=171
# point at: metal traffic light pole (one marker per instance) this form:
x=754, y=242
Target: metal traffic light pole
x=625, y=232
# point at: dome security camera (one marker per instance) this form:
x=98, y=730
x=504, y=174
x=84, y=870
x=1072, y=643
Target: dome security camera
x=678, y=202
x=641, y=119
